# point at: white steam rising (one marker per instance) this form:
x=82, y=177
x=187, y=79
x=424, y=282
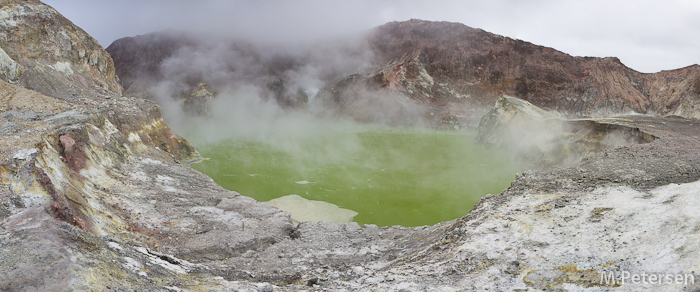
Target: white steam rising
x=268, y=93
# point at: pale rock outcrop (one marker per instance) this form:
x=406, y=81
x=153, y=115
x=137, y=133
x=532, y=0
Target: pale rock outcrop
x=9, y=69
x=198, y=102
x=544, y=138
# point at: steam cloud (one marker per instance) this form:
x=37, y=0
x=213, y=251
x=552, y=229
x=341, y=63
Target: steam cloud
x=269, y=92
x=256, y=84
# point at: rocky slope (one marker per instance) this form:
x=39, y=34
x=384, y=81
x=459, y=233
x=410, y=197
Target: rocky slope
x=180, y=62
x=94, y=196
x=485, y=66
x=450, y=65
x=63, y=61
x=454, y=70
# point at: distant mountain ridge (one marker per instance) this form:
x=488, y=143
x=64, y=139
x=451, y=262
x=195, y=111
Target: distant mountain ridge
x=485, y=66
x=453, y=69
x=142, y=55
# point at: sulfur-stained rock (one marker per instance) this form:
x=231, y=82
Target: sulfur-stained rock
x=198, y=102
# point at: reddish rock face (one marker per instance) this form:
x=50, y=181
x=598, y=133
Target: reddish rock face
x=73, y=154
x=484, y=66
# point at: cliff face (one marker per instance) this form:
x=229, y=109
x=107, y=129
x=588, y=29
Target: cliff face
x=43, y=51
x=454, y=63
x=140, y=57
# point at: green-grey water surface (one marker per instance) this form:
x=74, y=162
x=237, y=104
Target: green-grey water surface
x=389, y=176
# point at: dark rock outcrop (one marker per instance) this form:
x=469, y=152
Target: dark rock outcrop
x=147, y=61
x=138, y=58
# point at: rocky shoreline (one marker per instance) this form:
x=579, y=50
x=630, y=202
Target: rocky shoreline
x=96, y=195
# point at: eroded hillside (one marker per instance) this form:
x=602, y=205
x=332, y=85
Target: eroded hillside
x=453, y=73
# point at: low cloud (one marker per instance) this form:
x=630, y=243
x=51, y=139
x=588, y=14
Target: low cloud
x=647, y=36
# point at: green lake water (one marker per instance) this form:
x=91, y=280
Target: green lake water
x=389, y=176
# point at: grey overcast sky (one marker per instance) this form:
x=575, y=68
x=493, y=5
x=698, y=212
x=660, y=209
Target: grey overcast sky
x=647, y=35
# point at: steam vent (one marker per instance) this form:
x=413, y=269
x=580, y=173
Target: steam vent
x=97, y=192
